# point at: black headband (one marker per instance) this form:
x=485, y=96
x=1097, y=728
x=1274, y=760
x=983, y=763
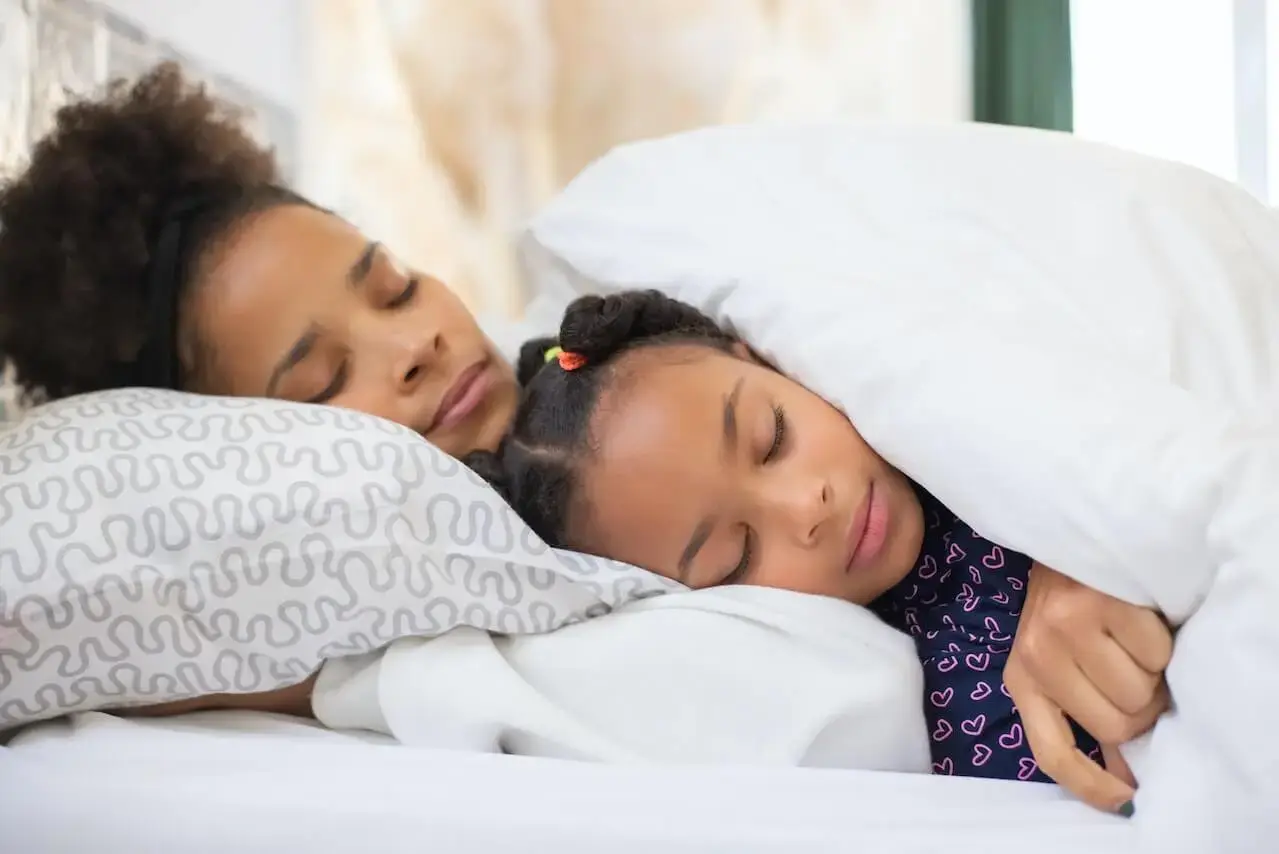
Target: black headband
x=158, y=364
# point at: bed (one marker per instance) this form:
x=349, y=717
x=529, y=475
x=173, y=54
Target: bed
x=245, y=782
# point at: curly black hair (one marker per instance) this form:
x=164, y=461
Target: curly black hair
x=536, y=467
x=79, y=227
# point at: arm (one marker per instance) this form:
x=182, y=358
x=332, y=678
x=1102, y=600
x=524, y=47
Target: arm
x=1080, y=653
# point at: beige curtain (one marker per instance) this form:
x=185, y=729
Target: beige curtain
x=440, y=125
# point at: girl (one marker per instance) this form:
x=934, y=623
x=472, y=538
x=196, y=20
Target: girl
x=650, y=436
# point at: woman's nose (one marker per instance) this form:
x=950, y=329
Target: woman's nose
x=412, y=359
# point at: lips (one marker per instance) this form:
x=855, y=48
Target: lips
x=857, y=528
x=868, y=532
x=463, y=397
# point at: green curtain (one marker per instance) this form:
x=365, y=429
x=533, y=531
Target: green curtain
x=1021, y=63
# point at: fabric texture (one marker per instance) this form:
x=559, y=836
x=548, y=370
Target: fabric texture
x=1074, y=348
x=961, y=604
x=159, y=546
x=733, y=675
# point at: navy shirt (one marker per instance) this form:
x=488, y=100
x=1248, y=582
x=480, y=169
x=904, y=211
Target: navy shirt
x=960, y=604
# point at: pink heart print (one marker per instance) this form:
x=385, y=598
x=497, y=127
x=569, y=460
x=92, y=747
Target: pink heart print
x=1026, y=768
x=943, y=730
x=1015, y=583
x=981, y=692
x=974, y=726
x=1001, y=598
x=974, y=574
x=1003, y=689
x=1012, y=739
x=977, y=661
x=941, y=699
x=932, y=634
x=970, y=605
x=944, y=767
x=956, y=554
x=965, y=592
x=994, y=560
x=948, y=664
x=981, y=753
x=993, y=632
x=928, y=568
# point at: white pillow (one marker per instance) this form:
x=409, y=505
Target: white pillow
x=1074, y=348
x=158, y=546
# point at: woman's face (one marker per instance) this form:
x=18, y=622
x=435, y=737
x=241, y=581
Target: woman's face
x=711, y=468
x=296, y=304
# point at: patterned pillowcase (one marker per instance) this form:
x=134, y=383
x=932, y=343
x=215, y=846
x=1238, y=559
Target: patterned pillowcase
x=159, y=546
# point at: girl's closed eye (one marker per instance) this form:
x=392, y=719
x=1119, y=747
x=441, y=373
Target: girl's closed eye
x=779, y=435
x=335, y=386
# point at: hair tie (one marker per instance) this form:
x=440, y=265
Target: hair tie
x=571, y=361
x=551, y=353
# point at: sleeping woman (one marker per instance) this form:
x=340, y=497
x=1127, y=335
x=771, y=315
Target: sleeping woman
x=648, y=435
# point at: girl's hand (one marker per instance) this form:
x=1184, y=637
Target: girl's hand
x=1098, y=660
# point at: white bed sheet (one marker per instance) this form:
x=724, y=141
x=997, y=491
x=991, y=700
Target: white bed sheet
x=257, y=783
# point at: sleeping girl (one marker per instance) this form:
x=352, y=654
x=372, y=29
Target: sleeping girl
x=649, y=435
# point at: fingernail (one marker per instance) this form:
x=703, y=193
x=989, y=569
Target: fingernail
x=1126, y=809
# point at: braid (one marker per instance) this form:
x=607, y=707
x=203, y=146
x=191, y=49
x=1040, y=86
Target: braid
x=536, y=468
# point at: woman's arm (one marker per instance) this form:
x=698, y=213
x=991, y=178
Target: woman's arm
x=1098, y=660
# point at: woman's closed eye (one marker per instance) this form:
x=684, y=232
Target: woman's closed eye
x=335, y=386
x=405, y=296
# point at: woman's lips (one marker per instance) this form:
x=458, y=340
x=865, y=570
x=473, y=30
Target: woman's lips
x=868, y=531
x=465, y=395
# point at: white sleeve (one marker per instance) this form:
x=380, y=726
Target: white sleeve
x=346, y=694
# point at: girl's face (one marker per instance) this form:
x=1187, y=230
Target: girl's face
x=297, y=304
x=711, y=469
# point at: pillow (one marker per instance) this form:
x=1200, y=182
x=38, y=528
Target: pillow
x=159, y=546
x=1075, y=348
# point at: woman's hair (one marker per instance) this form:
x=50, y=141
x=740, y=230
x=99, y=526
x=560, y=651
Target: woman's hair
x=536, y=467
x=103, y=231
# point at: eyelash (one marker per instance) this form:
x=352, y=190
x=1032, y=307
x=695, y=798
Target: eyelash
x=405, y=296
x=779, y=434
x=332, y=389
x=748, y=543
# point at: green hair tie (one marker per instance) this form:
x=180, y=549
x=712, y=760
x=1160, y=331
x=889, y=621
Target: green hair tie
x=552, y=353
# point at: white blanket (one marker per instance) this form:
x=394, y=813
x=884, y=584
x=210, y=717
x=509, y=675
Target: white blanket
x=1074, y=348
x=736, y=675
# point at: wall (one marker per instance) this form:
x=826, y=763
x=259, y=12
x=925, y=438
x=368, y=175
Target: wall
x=258, y=43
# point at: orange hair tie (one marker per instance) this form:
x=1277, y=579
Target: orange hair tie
x=570, y=361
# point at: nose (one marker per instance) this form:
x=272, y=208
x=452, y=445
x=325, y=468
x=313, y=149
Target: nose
x=802, y=507
x=412, y=355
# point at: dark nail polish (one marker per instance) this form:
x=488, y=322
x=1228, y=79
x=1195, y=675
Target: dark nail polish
x=1127, y=809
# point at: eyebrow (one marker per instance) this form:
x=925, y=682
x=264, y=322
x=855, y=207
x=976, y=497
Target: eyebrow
x=301, y=348
x=730, y=418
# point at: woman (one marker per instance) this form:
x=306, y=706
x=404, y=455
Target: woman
x=149, y=243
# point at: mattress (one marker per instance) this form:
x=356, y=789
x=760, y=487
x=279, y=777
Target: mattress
x=246, y=782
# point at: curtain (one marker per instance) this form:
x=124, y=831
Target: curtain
x=1021, y=63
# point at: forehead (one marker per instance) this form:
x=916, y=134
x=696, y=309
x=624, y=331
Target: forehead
x=657, y=458
x=265, y=282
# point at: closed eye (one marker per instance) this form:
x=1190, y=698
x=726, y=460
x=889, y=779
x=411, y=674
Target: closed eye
x=405, y=296
x=744, y=564
x=779, y=435
x=334, y=388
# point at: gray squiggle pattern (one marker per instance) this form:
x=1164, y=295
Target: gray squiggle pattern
x=156, y=546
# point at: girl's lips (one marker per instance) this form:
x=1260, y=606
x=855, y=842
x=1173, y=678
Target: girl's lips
x=869, y=530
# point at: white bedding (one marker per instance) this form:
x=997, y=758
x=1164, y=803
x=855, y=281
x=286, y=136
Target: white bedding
x=1074, y=348
x=245, y=783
